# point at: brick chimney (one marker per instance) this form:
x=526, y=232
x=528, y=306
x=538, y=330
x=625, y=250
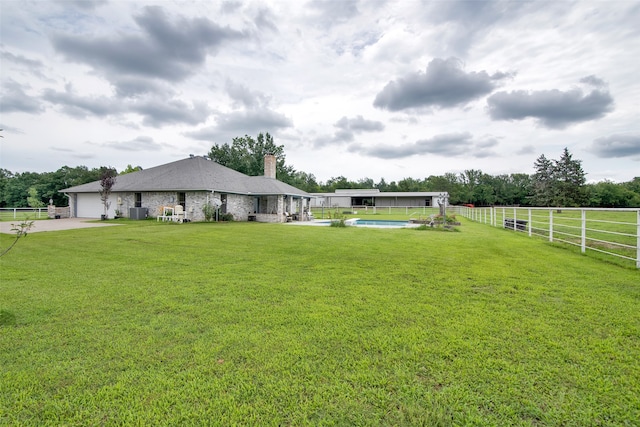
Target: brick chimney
x=270, y=166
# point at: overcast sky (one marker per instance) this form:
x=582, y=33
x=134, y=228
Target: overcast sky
x=369, y=88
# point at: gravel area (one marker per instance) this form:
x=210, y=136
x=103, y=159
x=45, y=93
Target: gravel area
x=56, y=224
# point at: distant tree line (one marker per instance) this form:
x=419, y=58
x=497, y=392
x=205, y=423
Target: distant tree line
x=558, y=182
x=31, y=189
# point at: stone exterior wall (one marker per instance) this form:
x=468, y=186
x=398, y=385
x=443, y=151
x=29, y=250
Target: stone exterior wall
x=238, y=205
x=58, y=212
x=272, y=208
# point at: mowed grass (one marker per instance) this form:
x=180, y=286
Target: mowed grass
x=607, y=232
x=270, y=324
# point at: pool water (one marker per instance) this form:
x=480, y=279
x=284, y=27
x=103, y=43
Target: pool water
x=357, y=222
x=377, y=223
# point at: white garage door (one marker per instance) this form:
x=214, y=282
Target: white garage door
x=89, y=206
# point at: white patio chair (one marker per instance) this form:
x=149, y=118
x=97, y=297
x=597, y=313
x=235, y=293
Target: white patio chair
x=179, y=214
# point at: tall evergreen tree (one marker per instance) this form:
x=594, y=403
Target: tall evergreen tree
x=542, y=182
x=570, y=181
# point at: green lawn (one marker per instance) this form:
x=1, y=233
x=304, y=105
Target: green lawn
x=7, y=214
x=270, y=324
x=613, y=231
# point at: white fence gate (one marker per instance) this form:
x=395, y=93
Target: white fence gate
x=614, y=232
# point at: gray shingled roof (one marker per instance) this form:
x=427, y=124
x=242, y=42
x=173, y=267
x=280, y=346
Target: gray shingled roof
x=193, y=174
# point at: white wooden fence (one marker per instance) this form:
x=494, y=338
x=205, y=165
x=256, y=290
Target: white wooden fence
x=613, y=232
x=23, y=213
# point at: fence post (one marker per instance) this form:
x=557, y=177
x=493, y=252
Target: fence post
x=583, y=237
x=638, y=240
x=15, y=211
x=515, y=218
x=551, y=225
x=503, y=211
x=529, y=222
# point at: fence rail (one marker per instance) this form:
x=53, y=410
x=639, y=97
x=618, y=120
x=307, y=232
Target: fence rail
x=7, y=214
x=613, y=232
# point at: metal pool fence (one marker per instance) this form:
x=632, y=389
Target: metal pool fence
x=613, y=232
x=405, y=211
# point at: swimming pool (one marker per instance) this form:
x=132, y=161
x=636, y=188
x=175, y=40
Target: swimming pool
x=358, y=222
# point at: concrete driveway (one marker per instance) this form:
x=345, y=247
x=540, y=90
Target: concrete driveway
x=56, y=224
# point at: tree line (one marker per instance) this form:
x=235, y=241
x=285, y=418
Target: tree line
x=31, y=189
x=560, y=182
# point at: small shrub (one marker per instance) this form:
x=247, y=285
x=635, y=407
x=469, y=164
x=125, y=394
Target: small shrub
x=209, y=212
x=428, y=227
x=226, y=217
x=337, y=218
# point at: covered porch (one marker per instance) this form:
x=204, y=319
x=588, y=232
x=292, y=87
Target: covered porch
x=280, y=208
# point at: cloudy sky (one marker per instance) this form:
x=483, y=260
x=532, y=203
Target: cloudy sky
x=358, y=88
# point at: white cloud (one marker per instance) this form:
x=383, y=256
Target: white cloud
x=354, y=88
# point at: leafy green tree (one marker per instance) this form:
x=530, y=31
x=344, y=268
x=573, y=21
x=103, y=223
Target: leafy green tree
x=485, y=192
x=336, y=183
x=34, y=199
x=383, y=185
x=365, y=183
x=471, y=180
x=448, y=182
x=409, y=184
x=518, y=188
x=17, y=187
x=634, y=186
x=5, y=177
x=306, y=182
x=607, y=194
x=246, y=155
x=130, y=169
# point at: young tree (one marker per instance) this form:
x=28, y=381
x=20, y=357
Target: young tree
x=34, y=199
x=107, y=181
x=21, y=230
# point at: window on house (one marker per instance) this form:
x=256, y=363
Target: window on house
x=362, y=201
x=182, y=200
x=138, y=200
